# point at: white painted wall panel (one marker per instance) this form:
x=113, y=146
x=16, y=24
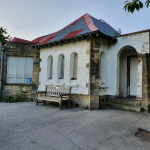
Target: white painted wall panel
x=79, y=85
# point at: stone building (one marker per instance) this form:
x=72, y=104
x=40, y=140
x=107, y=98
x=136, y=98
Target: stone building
x=20, y=63
x=102, y=66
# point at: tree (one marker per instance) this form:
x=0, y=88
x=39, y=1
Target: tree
x=3, y=35
x=135, y=5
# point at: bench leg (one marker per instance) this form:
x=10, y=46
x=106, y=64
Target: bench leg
x=60, y=105
x=36, y=102
x=69, y=103
x=44, y=102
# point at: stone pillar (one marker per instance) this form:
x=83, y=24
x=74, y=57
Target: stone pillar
x=146, y=82
x=94, y=74
x=139, y=77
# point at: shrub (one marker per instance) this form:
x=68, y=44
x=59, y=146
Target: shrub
x=30, y=100
x=19, y=97
x=9, y=99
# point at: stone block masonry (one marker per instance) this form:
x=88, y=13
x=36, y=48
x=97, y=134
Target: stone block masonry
x=146, y=81
x=21, y=50
x=94, y=74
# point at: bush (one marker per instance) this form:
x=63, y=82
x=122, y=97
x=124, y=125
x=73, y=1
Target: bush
x=9, y=99
x=19, y=97
x=30, y=100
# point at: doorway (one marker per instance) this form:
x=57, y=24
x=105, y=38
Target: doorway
x=132, y=67
x=128, y=66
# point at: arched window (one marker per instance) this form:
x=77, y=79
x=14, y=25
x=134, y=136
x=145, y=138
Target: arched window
x=50, y=67
x=61, y=66
x=74, y=66
x=103, y=68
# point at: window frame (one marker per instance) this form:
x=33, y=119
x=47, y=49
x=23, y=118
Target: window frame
x=16, y=57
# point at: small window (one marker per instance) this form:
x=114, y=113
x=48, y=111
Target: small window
x=50, y=67
x=19, y=69
x=61, y=66
x=74, y=66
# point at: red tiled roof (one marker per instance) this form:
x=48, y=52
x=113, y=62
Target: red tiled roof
x=83, y=25
x=47, y=39
x=20, y=40
x=73, y=33
x=90, y=25
x=37, y=39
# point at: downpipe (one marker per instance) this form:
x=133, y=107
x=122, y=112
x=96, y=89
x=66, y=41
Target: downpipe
x=2, y=48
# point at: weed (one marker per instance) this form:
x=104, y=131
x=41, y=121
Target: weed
x=19, y=97
x=9, y=99
x=86, y=107
x=30, y=100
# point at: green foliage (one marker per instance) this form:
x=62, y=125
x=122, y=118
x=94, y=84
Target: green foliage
x=118, y=32
x=30, y=100
x=86, y=107
x=135, y=5
x=3, y=35
x=9, y=99
x=19, y=97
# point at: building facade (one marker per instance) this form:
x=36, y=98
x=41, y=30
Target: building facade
x=100, y=65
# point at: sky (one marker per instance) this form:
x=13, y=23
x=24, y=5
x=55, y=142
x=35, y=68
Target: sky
x=29, y=19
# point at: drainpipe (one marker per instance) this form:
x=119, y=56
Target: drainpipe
x=2, y=48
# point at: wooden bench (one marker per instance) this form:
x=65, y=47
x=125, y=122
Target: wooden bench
x=54, y=94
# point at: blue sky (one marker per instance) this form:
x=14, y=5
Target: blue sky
x=29, y=19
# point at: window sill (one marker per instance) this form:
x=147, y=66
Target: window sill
x=73, y=78
x=23, y=84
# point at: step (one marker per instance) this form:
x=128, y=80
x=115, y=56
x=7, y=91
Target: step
x=134, y=103
x=126, y=107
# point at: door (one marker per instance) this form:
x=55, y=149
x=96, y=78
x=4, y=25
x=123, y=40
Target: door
x=133, y=76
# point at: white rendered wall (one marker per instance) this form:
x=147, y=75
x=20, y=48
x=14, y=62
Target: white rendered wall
x=139, y=41
x=79, y=85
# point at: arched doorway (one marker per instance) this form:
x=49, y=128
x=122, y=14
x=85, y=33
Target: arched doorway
x=128, y=68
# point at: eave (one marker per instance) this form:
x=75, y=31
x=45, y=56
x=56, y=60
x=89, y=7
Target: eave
x=94, y=34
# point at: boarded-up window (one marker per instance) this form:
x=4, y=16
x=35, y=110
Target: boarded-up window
x=61, y=66
x=19, y=69
x=50, y=67
x=74, y=66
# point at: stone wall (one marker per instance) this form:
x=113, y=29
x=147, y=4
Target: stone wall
x=21, y=50
x=94, y=74
x=80, y=100
x=146, y=81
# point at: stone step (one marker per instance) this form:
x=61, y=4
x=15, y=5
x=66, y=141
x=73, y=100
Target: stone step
x=126, y=102
x=125, y=107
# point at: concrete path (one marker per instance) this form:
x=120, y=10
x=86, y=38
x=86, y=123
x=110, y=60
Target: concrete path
x=25, y=126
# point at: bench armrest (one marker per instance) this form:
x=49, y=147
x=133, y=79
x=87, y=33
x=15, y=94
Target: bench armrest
x=39, y=92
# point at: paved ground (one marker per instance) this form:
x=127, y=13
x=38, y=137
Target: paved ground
x=25, y=126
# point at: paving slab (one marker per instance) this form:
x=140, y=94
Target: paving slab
x=25, y=126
